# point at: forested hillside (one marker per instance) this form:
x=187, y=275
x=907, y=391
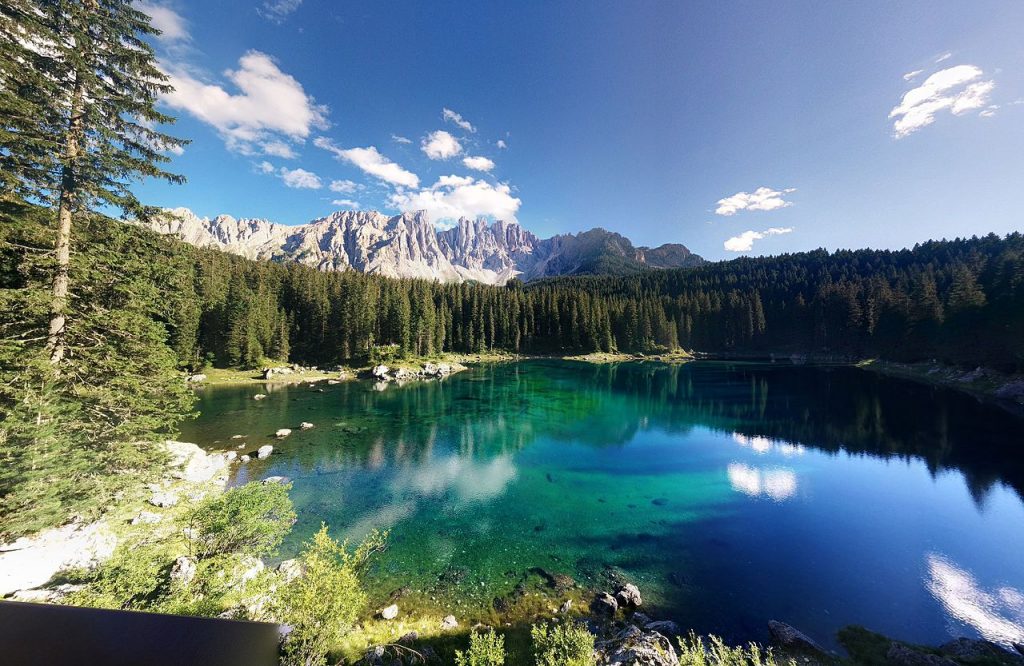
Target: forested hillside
x=959, y=301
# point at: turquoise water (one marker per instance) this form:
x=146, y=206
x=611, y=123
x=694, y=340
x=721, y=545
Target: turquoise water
x=731, y=493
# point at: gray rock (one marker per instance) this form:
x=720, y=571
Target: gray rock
x=449, y=622
x=390, y=613
x=791, y=637
x=265, y=450
x=640, y=619
x=664, y=627
x=146, y=518
x=628, y=596
x=633, y=647
x=230, y=455
x=276, y=479
x=194, y=379
x=289, y=570
x=565, y=607
x=282, y=433
x=410, y=637
x=1011, y=390
x=245, y=458
x=380, y=371
x=901, y=655
x=163, y=499
x=976, y=649
x=183, y=571
x=306, y=425
x=604, y=605
x=260, y=396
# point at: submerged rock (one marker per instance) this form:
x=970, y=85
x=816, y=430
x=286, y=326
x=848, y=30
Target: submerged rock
x=306, y=425
x=276, y=479
x=976, y=649
x=282, y=433
x=790, y=637
x=264, y=451
x=901, y=655
x=260, y=396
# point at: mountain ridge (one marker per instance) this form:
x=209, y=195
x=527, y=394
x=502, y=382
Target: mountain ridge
x=408, y=245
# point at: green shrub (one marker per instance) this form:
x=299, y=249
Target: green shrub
x=562, y=645
x=485, y=649
x=130, y=580
x=695, y=651
x=251, y=520
x=323, y=604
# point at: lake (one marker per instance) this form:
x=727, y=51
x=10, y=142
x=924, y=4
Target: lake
x=730, y=493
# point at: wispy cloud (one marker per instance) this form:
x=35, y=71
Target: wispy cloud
x=278, y=10
x=300, y=179
x=478, y=163
x=943, y=57
x=911, y=75
x=371, y=161
x=173, y=28
x=268, y=107
x=763, y=198
x=745, y=241
x=279, y=149
x=346, y=203
x=344, y=186
x=453, y=197
x=400, y=139
x=955, y=88
x=501, y=144
x=453, y=117
x=440, y=145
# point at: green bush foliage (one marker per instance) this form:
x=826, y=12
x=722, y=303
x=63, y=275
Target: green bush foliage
x=485, y=649
x=322, y=605
x=712, y=651
x=567, y=644
x=132, y=579
x=252, y=520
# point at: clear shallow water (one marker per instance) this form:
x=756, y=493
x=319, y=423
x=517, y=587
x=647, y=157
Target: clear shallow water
x=731, y=493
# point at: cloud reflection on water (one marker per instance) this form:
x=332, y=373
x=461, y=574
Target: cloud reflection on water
x=777, y=484
x=764, y=445
x=998, y=615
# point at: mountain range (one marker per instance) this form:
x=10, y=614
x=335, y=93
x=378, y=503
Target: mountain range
x=409, y=245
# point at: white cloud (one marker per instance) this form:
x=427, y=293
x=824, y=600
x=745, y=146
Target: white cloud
x=397, y=138
x=501, y=144
x=453, y=197
x=763, y=198
x=944, y=56
x=265, y=167
x=270, y=103
x=278, y=10
x=346, y=203
x=372, y=162
x=344, y=186
x=478, y=163
x=910, y=75
x=745, y=241
x=954, y=88
x=171, y=25
x=440, y=145
x=457, y=118
x=300, y=179
x=279, y=148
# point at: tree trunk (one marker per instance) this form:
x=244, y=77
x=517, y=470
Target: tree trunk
x=55, y=341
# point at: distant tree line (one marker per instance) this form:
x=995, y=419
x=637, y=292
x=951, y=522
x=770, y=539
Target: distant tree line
x=958, y=301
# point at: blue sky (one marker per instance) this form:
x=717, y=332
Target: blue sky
x=731, y=127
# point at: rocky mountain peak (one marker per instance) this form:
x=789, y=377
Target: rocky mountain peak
x=408, y=245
